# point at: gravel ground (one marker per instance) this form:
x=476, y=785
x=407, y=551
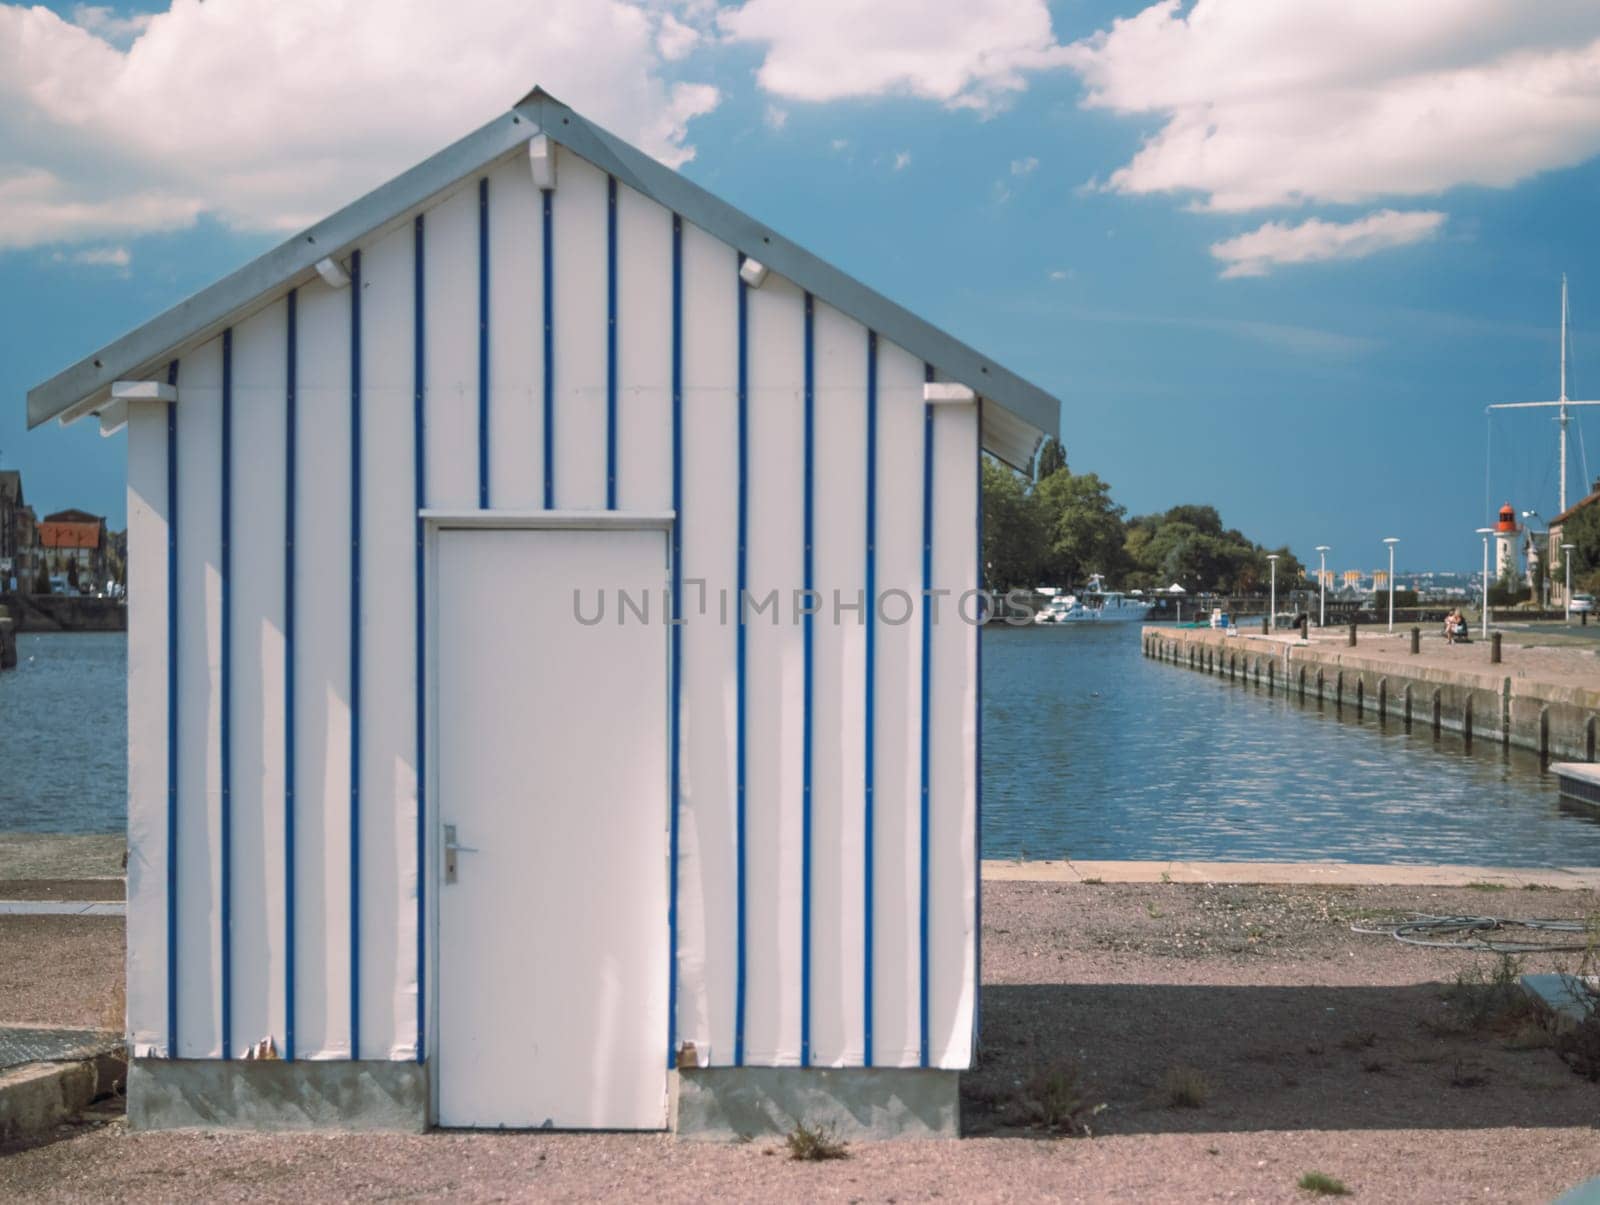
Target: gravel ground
x=1308, y=1046
x=61, y=970
x=61, y=855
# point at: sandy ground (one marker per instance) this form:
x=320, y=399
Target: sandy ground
x=1315, y=1048
x=58, y=856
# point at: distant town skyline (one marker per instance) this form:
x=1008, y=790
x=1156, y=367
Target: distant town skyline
x=1267, y=265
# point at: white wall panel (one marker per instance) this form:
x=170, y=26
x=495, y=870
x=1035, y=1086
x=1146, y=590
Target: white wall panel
x=147, y=727
x=896, y=906
x=257, y=672
x=774, y=666
x=450, y=251
x=953, y=703
x=839, y=677
x=199, y=702
x=388, y=662
x=706, y=852
x=516, y=341
x=322, y=675
x=644, y=353
x=579, y=243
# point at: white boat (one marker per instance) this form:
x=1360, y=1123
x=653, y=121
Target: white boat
x=1095, y=604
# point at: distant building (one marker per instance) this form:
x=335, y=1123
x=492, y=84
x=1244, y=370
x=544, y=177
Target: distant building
x=1380, y=579
x=74, y=546
x=18, y=534
x=1558, y=559
x=1352, y=579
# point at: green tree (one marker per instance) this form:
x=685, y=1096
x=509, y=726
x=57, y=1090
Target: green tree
x=1013, y=537
x=1583, y=529
x=1083, y=528
x=1052, y=458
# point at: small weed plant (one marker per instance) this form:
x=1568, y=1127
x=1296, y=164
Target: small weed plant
x=815, y=1144
x=1058, y=1099
x=1323, y=1185
x=1184, y=1088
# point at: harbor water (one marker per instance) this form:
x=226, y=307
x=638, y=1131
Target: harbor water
x=1090, y=750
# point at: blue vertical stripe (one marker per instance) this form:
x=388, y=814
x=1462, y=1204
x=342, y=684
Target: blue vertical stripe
x=977, y=777
x=172, y=717
x=547, y=271
x=225, y=690
x=808, y=637
x=675, y=668
x=291, y=368
x=868, y=820
x=483, y=343
x=739, y=661
x=419, y=488
x=611, y=343
x=355, y=654
x=927, y=677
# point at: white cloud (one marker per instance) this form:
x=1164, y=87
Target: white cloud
x=257, y=111
x=776, y=118
x=1062, y=274
x=1276, y=243
x=36, y=206
x=839, y=145
x=966, y=56
x=1265, y=103
x=1024, y=167
x=103, y=257
x=674, y=39
x=902, y=160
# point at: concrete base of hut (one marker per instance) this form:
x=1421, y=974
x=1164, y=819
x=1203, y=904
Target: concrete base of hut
x=168, y=1094
x=731, y=1104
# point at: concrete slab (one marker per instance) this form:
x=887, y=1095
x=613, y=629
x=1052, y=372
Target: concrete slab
x=36, y=1097
x=20, y=1044
x=1570, y=997
x=166, y=1094
x=727, y=1104
x=1360, y=874
x=63, y=908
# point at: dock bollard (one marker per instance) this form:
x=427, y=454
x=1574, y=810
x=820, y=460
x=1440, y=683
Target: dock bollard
x=1352, y=641
x=1494, y=648
x=1266, y=625
x=1416, y=641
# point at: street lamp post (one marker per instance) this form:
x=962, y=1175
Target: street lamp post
x=1391, y=541
x=1541, y=603
x=1486, y=532
x=1272, y=614
x=1322, y=584
x=1567, y=589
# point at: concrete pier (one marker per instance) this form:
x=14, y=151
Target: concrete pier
x=1542, y=700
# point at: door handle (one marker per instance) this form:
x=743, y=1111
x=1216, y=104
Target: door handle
x=451, y=849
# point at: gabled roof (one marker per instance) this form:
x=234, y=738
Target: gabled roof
x=1577, y=506
x=1018, y=416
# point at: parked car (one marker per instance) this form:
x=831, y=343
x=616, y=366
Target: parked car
x=1582, y=603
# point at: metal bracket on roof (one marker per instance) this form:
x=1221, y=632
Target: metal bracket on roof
x=948, y=393
x=333, y=273
x=752, y=271
x=542, y=159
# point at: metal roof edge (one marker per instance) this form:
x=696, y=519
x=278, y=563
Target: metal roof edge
x=203, y=314
x=682, y=196
x=206, y=312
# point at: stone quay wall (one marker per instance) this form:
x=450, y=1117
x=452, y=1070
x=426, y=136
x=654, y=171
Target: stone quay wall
x=1556, y=720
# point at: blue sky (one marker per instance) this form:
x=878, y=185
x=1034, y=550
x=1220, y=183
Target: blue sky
x=1335, y=396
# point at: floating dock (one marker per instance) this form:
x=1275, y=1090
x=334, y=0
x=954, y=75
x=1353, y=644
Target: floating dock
x=1578, y=782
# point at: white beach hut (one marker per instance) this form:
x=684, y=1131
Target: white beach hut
x=453, y=772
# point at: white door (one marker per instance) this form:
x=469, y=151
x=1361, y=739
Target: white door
x=552, y=771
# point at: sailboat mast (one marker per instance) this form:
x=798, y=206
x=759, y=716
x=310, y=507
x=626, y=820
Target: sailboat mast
x=1563, y=411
